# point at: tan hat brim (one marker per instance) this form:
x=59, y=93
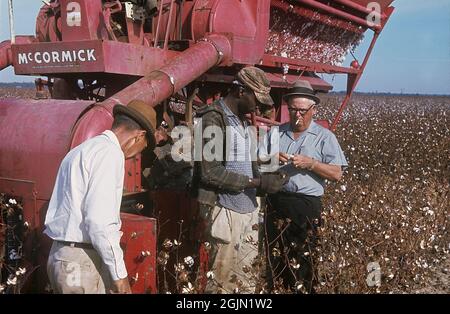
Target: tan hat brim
x=140, y=119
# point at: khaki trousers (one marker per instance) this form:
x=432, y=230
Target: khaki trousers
x=74, y=270
x=235, y=246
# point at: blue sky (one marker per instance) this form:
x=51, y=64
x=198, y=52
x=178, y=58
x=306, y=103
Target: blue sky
x=412, y=54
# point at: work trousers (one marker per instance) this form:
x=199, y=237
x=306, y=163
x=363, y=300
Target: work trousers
x=234, y=241
x=73, y=270
x=290, y=243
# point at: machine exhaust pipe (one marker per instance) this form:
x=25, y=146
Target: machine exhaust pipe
x=190, y=64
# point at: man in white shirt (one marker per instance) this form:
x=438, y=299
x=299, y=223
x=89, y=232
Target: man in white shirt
x=83, y=216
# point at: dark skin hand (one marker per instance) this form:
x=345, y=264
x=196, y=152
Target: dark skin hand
x=256, y=182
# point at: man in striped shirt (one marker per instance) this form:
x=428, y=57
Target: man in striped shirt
x=227, y=182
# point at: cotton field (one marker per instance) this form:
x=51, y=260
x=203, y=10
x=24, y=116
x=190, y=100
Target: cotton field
x=387, y=222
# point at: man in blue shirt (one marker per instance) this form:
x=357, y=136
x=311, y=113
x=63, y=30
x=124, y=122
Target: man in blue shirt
x=310, y=154
x=227, y=183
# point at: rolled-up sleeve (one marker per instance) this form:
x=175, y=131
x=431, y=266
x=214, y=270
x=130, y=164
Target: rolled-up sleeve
x=102, y=208
x=332, y=152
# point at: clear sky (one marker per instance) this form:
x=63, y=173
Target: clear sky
x=412, y=54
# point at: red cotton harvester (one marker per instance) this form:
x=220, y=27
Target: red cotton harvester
x=174, y=55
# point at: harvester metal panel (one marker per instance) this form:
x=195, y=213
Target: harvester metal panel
x=35, y=138
x=139, y=246
x=88, y=56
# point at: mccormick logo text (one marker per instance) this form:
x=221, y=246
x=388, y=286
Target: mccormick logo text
x=82, y=55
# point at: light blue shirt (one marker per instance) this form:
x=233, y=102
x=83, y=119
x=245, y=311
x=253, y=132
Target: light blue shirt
x=316, y=142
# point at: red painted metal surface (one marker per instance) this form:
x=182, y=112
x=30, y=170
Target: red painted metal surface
x=153, y=89
x=48, y=23
x=248, y=21
x=90, y=56
x=92, y=122
x=286, y=81
x=358, y=7
x=6, y=55
x=139, y=246
x=304, y=65
x=46, y=58
x=83, y=20
x=339, y=13
x=277, y=80
x=34, y=139
x=363, y=3
x=133, y=177
x=185, y=68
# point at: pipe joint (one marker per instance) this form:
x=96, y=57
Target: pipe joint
x=170, y=77
x=220, y=54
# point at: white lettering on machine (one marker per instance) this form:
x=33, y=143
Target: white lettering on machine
x=45, y=57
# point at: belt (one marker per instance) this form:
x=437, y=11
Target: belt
x=86, y=246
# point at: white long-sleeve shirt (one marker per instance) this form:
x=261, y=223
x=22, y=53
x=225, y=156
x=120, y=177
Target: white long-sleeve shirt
x=85, y=204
